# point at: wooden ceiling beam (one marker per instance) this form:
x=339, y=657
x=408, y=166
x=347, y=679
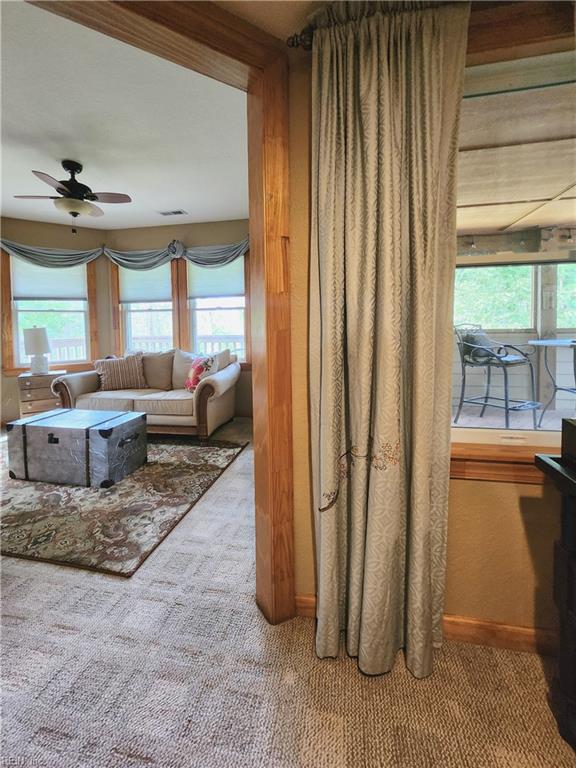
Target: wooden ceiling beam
x=514, y=30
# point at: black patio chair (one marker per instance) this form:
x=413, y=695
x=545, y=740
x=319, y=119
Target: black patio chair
x=478, y=350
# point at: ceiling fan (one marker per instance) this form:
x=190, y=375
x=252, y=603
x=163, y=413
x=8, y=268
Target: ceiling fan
x=75, y=198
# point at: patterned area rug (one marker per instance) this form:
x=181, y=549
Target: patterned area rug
x=111, y=530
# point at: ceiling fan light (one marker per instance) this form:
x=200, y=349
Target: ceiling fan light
x=72, y=206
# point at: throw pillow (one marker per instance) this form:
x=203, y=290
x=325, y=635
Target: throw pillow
x=476, y=339
x=158, y=369
x=200, y=368
x=184, y=360
x=222, y=359
x=121, y=372
x=180, y=367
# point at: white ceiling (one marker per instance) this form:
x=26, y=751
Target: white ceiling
x=174, y=139
x=167, y=136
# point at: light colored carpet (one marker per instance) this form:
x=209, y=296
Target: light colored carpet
x=176, y=668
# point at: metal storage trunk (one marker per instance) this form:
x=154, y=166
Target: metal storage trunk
x=77, y=447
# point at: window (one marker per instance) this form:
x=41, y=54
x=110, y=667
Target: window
x=217, y=308
x=146, y=302
x=566, y=297
x=498, y=297
x=517, y=304
x=515, y=271
x=55, y=299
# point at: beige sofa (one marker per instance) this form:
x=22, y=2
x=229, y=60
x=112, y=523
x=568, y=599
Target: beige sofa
x=170, y=408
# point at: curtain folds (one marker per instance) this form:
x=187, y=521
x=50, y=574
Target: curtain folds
x=204, y=255
x=216, y=255
x=387, y=85
x=42, y=257
x=144, y=259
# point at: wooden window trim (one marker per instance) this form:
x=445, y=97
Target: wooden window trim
x=9, y=367
x=247, y=365
x=117, y=329
x=180, y=299
x=92, y=310
x=174, y=288
x=7, y=320
x=497, y=463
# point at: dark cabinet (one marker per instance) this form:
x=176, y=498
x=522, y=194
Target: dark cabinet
x=562, y=471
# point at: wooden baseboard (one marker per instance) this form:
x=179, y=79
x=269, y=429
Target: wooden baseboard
x=463, y=629
x=306, y=606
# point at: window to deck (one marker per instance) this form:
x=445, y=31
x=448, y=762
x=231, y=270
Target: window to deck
x=55, y=299
x=516, y=265
x=146, y=304
x=216, y=299
x=514, y=305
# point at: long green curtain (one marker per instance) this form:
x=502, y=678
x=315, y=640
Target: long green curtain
x=387, y=85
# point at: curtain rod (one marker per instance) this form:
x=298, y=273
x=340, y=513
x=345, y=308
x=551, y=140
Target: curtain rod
x=305, y=38
x=302, y=40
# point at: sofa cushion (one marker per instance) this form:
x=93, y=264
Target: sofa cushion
x=118, y=400
x=158, y=369
x=121, y=372
x=180, y=367
x=176, y=402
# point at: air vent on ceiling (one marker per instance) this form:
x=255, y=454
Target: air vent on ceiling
x=179, y=212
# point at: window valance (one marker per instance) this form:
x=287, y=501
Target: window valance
x=210, y=256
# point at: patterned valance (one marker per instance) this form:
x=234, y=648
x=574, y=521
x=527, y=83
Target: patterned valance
x=203, y=255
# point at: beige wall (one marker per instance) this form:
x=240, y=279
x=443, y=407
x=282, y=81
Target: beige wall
x=500, y=543
x=60, y=236
x=209, y=233
x=500, y=534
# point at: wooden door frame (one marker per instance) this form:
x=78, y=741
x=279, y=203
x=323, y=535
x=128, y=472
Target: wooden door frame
x=203, y=37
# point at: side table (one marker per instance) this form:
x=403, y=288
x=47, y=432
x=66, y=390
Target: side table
x=35, y=391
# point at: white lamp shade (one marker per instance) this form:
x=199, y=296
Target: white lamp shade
x=36, y=341
x=70, y=205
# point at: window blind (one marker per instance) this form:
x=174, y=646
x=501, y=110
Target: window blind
x=32, y=282
x=204, y=282
x=140, y=285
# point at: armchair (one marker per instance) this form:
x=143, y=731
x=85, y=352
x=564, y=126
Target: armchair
x=477, y=350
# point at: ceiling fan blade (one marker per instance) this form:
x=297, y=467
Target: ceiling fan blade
x=36, y=197
x=94, y=210
x=111, y=197
x=58, y=185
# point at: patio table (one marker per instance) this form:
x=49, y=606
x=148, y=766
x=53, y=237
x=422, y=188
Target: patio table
x=558, y=343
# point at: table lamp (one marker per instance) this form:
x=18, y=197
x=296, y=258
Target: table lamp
x=36, y=345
